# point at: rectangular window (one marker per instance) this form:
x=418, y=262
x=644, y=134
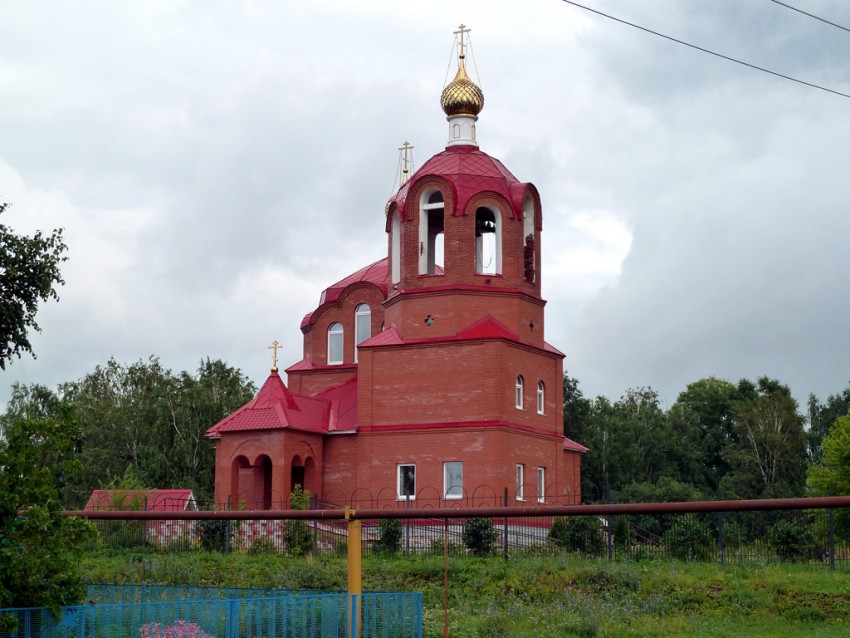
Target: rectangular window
x=406, y=481
x=453, y=479
x=541, y=484
x=520, y=480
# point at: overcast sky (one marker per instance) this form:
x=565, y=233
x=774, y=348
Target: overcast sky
x=215, y=165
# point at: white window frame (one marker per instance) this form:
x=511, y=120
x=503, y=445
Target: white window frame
x=457, y=486
x=336, y=331
x=541, y=484
x=541, y=397
x=403, y=497
x=520, y=390
x=520, y=482
x=362, y=317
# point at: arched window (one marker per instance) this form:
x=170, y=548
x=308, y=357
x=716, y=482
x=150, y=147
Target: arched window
x=519, y=385
x=529, y=256
x=335, y=341
x=395, y=250
x=488, y=241
x=362, y=326
x=541, y=397
x=431, y=232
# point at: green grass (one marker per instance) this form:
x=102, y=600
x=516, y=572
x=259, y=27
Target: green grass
x=539, y=597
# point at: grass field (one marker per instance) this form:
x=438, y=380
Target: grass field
x=539, y=597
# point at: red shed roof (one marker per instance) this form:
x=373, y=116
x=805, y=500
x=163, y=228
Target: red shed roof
x=148, y=500
x=572, y=446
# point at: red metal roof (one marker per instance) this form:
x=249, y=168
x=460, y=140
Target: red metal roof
x=276, y=407
x=485, y=328
x=469, y=171
x=375, y=274
x=343, y=398
x=571, y=445
x=148, y=500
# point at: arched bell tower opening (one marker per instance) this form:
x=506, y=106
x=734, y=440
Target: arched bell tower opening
x=431, y=229
x=529, y=248
x=488, y=241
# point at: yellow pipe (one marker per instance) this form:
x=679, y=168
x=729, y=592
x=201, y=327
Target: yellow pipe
x=355, y=569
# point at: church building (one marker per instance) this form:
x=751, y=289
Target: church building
x=426, y=379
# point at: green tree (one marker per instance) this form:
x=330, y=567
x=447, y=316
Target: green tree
x=145, y=417
x=38, y=545
x=630, y=441
x=832, y=474
x=821, y=418
x=769, y=459
x=703, y=413
x=576, y=409
x=29, y=274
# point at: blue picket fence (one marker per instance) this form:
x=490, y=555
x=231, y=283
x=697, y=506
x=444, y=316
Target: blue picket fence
x=276, y=615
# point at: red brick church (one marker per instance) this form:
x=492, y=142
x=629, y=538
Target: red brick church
x=426, y=376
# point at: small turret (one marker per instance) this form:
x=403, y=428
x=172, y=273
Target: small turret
x=462, y=100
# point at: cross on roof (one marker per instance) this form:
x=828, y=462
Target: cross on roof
x=461, y=30
x=275, y=346
x=405, y=158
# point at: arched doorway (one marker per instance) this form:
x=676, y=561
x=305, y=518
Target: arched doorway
x=263, y=492
x=240, y=479
x=296, y=473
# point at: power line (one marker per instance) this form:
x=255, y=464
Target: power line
x=714, y=53
x=811, y=15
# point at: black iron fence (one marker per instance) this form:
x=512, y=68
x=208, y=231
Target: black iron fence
x=815, y=531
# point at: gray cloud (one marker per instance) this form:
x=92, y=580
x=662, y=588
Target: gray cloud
x=215, y=167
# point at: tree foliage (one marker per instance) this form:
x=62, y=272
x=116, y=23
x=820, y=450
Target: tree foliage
x=832, y=475
x=142, y=417
x=743, y=440
x=38, y=544
x=29, y=274
x=822, y=415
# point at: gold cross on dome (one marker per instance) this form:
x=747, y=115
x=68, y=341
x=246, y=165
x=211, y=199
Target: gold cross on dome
x=461, y=30
x=275, y=346
x=405, y=158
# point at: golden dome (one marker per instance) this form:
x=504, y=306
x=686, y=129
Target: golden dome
x=462, y=96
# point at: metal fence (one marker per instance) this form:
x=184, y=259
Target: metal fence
x=305, y=615
x=816, y=531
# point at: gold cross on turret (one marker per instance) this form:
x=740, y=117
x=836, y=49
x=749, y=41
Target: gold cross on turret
x=275, y=346
x=461, y=31
x=405, y=158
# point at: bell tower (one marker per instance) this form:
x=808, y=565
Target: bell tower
x=464, y=233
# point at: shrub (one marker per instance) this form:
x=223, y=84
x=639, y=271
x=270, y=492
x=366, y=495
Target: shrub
x=262, y=546
x=622, y=533
x=791, y=540
x=389, y=536
x=689, y=539
x=214, y=535
x=578, y=533
x=479, y=535
x=296, y=534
